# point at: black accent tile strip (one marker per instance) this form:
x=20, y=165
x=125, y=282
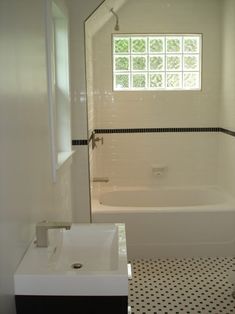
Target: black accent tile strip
x=79, y=142
x=152, y=130
x=90, y=138
x=157, y=130
x=226, y=131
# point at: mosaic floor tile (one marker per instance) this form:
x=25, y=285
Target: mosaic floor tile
x=182, y=286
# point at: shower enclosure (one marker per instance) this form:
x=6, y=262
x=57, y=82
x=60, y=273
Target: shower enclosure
x=177, y=145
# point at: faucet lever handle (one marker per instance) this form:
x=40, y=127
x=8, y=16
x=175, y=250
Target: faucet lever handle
x=96, y=139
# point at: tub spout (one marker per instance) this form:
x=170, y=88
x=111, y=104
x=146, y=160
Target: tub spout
x=101, y=179
x=42, y=228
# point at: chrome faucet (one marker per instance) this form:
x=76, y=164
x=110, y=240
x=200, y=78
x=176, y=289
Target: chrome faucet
x=42, y=228
x=100, y=179
x=95, y=139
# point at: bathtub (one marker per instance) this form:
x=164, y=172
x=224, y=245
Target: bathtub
x=171, y=222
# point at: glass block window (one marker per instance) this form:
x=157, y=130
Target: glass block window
x=157, y=62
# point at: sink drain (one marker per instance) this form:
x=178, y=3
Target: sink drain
x=76, y=265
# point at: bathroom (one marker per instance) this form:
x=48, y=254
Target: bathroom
x=28, y=193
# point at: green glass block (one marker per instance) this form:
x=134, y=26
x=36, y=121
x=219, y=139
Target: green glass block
x=121, y=45
x=191, y=45
x=191, y=62
x=156, y=80
x=138, y=45
x=173, y=63
x=122, y=63
x=173, y=45
x=138, y=63
x=191, y=80
x=122, y=81
x=156, y=45
x=173, y=80
x=156, y=63
x=139, y=80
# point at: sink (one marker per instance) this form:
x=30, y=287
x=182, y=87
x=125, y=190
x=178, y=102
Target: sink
x=87, y=260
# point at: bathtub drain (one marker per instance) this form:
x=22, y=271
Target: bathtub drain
x=76, y=265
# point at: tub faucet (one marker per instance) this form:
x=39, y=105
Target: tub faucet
x=100, y=179
x=42, y=228
x=95, y=139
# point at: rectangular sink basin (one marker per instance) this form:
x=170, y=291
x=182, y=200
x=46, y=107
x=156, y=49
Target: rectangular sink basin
x=87, y=260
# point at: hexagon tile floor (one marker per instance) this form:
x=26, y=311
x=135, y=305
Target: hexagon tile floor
x=181, y=286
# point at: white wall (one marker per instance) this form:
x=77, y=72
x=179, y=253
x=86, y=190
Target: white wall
x=161, y=109
x=79, y=11
x=227, y=113
x=191, y=159
x=134, y=154
x=227, y=142
x=27, y=194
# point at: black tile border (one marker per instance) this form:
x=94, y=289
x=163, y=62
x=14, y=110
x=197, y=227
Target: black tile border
x=153, y=130
x=226, y=131
x=92, y=134
x=156, y=130
x=79, y=142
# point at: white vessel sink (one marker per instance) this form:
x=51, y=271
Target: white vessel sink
x=100, y=250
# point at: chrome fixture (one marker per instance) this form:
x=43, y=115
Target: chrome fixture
x=76, y=265
x=96, y=139
x=100, y=179
x=42, y=228
x=159, y=170
x=116, y=28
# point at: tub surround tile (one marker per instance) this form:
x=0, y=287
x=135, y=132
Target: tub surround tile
x=79, y=142
x=80, y=182
x=157, y=130
x=153, y=130
x=160, y=108
x=226, y=165
x=127, y=159
x=226, y=131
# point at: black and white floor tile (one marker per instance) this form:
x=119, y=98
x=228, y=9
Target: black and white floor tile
x=182, y=286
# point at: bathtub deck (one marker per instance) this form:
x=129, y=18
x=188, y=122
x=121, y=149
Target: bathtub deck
x=183, y=286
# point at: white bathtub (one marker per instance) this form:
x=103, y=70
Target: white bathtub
x=171, y=222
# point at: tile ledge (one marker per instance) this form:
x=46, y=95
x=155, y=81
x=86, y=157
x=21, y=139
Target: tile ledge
x=64, y=158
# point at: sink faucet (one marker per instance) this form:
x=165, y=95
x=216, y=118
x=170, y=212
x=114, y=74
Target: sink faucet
x=42, y=228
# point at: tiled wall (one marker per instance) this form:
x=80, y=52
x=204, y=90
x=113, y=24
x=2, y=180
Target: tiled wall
x=226, y=165
x=160, y=109
x=227, y=142
x=227, y=114
x=127, y=159
x=190, y=158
